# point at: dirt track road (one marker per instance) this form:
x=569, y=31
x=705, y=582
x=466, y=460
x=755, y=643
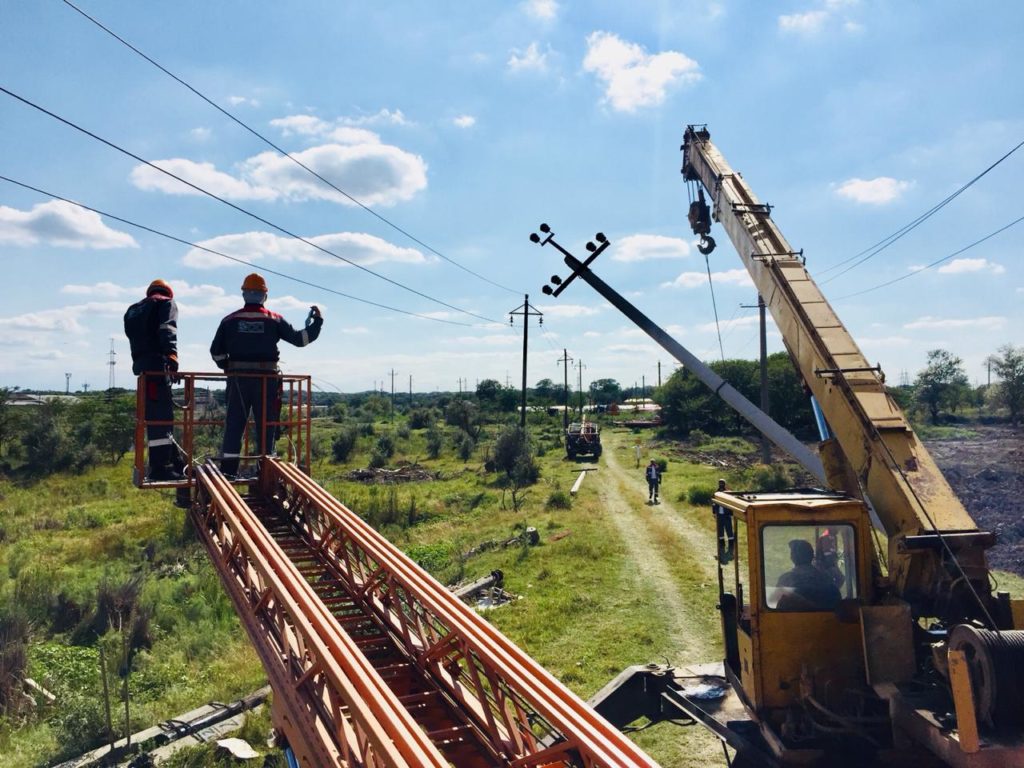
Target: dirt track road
x=653, y=534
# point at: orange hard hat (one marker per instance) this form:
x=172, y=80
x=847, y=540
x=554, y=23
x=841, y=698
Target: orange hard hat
x=160, y=286
x=254, y=282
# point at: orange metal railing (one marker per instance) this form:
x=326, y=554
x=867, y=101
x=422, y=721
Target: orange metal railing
x=197, y=408
x=527, y=717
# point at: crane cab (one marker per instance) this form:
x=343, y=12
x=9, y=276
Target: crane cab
x=793, y=569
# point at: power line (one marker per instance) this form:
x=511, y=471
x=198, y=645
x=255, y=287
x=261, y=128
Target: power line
x=885, y=242
x=934, y=263
x=284, y=153
x=238, y=208
x=153, y=231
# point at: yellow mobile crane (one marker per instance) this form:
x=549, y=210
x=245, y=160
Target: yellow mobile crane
x=846, y=643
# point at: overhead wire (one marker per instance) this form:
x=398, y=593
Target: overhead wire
x=885, y=242
x=285, y=153
x=236, y=259
x=934, y=263
x=240, y=209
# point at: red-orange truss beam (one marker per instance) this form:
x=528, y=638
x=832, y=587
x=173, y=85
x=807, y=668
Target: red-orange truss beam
x=332, y=705
x=527, y=716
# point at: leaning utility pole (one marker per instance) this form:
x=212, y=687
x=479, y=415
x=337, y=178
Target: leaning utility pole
x=526, y=312
x=565, y=360
x=758, y=418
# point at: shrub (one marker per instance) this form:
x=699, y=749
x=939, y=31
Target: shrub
x=698, y=436
x=343, y=443
x=385, y=446
x=422, y=418
x=404, y=432
x=466, y=446
x=700, y=495
x=435, y=441
x=377, y=459
x=366, y=429
x=771, y=477
x=559, y=499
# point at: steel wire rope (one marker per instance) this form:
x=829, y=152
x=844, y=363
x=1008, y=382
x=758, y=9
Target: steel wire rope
x=926, y=267
x=238, y=208
x=714, y=305
x=236, y=259
x=885, y=242
x=283, y=152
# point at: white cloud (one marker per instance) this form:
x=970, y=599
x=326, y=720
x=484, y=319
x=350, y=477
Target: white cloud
x=959, y=266
x=876, y=191
x=464, y=121
x=104, y=290
x=545, y=10
x=645, y=247
x=203, y=175
x=338, y=132
x=634, y=78
x=237, y=101
x=738, y=277
x=569, y=310
x=373, y=173
x=381, y=117
x=530, y=60
x=725, y=325
x=200, y=134
x=989, y=322
x=808, y=23
x=44, y=321
x=60, y=224
x=358, y=247
x=813, y=22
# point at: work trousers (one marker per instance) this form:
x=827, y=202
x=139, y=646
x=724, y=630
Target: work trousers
x=159, y=407
x=652, y=488
x=245, y=396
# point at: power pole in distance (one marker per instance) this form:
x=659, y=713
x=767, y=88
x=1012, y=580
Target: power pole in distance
x=67, y=383
x=579, y=369
x=112, y=363
x=564, y=360
x=766, y=447
x=526, y=312
x=392, y=416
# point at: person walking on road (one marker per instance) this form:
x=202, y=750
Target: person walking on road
x=151, y=326
x=653, y=475
x=245, y=346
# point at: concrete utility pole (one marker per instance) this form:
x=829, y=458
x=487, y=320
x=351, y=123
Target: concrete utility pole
x=392, y=416
x=410, y=391
x=579, y=369
x=564, y=360
x=643, y=387
x=526, y=312
x=766, y=446
x=659, y=374
x=67, y=383
x=112, y=363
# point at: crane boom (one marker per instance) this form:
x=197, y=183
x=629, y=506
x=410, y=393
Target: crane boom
x=890, y=465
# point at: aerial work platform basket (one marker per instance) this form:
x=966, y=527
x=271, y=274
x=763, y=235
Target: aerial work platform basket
x=198, y=420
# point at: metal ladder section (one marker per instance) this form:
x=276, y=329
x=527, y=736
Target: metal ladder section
x=372, y=661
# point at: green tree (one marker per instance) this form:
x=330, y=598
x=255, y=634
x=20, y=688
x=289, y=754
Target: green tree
x=487, y=392
x=940, y=382
x=1009, y=393
x=465, y=415
x=544, y=391
x=605, y=391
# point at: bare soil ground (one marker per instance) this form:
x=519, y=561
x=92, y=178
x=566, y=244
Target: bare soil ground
x=986, y=470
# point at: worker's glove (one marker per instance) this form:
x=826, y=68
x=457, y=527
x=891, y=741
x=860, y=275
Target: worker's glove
x=171, y=369
x=314, y=317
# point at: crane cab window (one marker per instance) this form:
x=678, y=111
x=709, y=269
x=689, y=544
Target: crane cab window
x=808, y=567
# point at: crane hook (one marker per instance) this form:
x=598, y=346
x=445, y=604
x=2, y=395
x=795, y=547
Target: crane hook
x=706, y=244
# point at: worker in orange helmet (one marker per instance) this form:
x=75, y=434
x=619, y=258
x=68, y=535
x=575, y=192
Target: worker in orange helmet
x=246, y=344
x=151, y=326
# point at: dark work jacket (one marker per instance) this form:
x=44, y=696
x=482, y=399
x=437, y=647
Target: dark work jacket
x=151, y=326
x=247, y=339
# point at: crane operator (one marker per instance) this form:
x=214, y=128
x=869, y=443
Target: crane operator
x=805, y=587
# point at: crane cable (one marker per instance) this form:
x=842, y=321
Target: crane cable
x=263, y=268
x=238, y=208
x=885, y=242
x=714, y=305
x=283, y=152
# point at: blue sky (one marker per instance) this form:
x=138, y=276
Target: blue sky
x=468, y=124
